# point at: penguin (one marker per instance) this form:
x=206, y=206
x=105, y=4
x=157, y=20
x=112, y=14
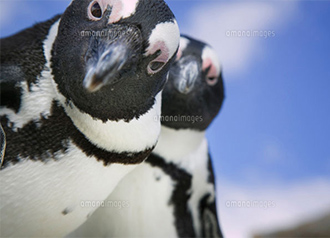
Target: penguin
x=172, y=194
x=79, y=94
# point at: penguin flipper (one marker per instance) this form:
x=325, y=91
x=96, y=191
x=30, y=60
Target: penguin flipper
x=22, y=55
x=22, y=59
x=10, y=89
x=208, y=209
x=11, y=73
x=2, y=144
x=210, y=222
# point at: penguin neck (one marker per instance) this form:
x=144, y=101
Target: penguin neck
x=116, y=136
x=177, y=145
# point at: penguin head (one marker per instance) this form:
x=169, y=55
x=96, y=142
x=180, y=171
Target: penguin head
x=110, y=58
x=194, y=93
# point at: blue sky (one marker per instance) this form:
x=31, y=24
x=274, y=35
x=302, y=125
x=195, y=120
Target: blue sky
x=276, y=118
x=274, y=128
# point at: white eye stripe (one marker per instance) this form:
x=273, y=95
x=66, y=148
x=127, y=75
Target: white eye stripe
x=166, y=32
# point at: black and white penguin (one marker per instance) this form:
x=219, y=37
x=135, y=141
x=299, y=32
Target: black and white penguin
x=79, y=97
x=172, y=194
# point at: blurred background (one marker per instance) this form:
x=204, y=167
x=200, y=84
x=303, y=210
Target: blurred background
x=271, y=141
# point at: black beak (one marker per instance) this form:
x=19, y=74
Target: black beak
x=110, y=62
x=107, y=56
x=185, y=74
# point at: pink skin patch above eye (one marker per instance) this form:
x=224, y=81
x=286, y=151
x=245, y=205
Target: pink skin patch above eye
x=178, y=54
x=164, y=55
x=121, y=9
x=159, y=45
x=212, y=72
x=117, y=7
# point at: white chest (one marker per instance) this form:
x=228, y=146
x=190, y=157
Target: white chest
x=53, y=198
x=147, y=192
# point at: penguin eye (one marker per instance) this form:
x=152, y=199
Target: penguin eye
x=212, y=72
x=211, y=77
x=211, y=80
x=155, y=66
x=95, y=11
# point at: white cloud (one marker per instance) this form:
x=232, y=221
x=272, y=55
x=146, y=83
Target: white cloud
x=210, y=22
x=293, y=204
x=272, y=151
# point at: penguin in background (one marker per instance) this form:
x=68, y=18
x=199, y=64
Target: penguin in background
x=79, y=94
x=172, y=194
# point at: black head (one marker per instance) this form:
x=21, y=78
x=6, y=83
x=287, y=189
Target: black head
x=194, y=92
x=110, y=57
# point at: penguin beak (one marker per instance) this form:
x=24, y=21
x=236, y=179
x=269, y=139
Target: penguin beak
x=110, y=62
x=109, y=55
x=185, y=74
